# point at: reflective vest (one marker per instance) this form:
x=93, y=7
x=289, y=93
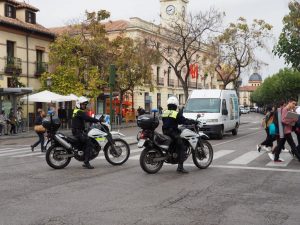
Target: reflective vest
x=75, y=111
x=170, y=113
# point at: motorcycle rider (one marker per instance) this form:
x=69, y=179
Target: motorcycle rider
x=171, y=119
x=79, y=118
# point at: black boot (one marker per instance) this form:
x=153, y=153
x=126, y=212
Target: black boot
x=87, y=165
x=180, y=168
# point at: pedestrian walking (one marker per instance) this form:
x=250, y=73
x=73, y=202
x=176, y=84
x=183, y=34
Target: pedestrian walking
x=12, y=121
x=3, y=127
x=38, y=129
x=268, y=119
x=285, y=126
x=20, y=120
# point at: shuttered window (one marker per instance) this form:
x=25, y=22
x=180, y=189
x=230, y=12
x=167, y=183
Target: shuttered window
x=30, y=17
x=10, y=11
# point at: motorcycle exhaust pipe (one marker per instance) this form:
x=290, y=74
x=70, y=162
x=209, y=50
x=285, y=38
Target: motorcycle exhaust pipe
x=61, y=141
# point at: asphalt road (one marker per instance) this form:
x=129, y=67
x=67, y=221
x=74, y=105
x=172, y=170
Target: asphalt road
x=241, y=187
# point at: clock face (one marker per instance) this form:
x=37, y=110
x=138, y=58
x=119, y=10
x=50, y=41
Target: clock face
x=170, y=9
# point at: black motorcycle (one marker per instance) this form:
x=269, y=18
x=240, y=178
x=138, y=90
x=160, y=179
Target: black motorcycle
x=63, y=147
x=160, y=149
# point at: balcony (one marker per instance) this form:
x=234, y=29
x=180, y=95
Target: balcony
x=160, y=81
x=13, y=66
x=40, y=67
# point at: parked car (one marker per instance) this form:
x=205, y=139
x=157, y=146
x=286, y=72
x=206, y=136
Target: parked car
x=245, y=110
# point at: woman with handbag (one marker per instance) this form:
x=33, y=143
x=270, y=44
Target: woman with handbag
x=39, y=129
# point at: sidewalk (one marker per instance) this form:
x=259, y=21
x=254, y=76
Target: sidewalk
x=31, y=133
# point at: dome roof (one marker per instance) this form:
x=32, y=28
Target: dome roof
x=255, y=77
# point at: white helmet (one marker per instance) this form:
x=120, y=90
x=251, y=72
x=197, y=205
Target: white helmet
x=173, y=100
x=81, y=100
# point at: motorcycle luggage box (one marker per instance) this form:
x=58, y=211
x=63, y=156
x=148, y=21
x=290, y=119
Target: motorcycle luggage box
x=148, y=122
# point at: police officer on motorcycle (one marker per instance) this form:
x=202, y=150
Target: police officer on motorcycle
x=79, y=118
x=171, y=119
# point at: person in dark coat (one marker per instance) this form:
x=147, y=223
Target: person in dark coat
x=171, y=119
x=38, y=121
x=79, y=118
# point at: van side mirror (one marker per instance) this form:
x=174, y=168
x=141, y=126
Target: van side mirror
x=224, y=112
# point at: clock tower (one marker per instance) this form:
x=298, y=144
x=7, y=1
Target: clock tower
x=172, y=10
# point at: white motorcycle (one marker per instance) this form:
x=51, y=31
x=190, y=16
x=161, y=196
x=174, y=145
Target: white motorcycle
x=63, y=148
x=160, y=149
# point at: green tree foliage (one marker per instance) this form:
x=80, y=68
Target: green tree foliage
x=134, y=61
x=235, y=48
x=281, y=86
x=288, y=45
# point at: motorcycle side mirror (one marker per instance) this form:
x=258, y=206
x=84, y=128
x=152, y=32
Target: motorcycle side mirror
x=198, y=116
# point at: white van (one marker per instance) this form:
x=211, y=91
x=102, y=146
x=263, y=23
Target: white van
x=219, y=110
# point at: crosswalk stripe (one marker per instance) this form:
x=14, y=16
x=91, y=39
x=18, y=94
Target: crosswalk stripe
x=245, y=158
x=14, y=150
x=29, y=154
x=135, y=157
x=287, y=159
x=222, y=153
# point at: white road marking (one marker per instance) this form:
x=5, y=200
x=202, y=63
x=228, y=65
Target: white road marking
x=15, y=150
x=222, y=153
x=285, y=156
x=245, y=158
x=30, y=154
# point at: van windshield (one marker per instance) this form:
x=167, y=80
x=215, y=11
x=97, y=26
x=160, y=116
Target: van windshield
x=204, y=105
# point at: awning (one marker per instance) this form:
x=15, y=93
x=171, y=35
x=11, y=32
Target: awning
x=15, y=91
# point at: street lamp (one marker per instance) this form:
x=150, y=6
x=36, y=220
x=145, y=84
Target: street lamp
x=49, y=82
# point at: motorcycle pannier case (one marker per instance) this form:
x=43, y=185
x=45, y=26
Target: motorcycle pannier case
x=54, y=125
x=148, y=122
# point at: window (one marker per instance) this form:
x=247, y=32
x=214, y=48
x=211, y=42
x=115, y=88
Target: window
x=30, y=17
x=10, y=49
x=10, y=11
x=158, y=100
x=203, y=105
x=157, y=74
x=39, y=56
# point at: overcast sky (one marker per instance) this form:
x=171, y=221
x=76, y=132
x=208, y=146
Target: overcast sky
x=55, y=13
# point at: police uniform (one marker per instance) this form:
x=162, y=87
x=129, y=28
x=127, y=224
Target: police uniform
x=171, y=119
x=79, y=118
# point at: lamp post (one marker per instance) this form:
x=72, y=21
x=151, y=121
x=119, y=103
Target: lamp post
x=49, y=82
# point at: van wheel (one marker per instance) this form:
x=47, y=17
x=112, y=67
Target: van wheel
x=221, y=133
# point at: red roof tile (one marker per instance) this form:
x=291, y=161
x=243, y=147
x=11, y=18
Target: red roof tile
x=110, y=26
x=21, y=4
x=248, y=88
x=28, y=26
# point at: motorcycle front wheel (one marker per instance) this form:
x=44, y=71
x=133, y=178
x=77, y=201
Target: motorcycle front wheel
x=54, y=157
x=203, y=154
x=146, y=160
x=117, y=155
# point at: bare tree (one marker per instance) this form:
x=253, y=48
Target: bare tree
x=183, y=40
x=235, y=48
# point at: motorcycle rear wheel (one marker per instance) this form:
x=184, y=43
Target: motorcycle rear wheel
x=53, y=159
x=119, y=156
x=146, y=160
x=203, y=154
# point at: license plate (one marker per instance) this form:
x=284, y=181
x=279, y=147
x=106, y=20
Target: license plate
x=141, y=143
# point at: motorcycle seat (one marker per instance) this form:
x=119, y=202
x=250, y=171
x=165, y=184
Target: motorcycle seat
x=162, y=140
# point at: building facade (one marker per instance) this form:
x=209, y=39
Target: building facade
x=164, y=78
x=255, y=80
x=24, y=49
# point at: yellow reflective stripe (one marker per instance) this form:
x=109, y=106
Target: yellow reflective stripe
x=170, y=113
x=100, y=139
x=75, y=112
